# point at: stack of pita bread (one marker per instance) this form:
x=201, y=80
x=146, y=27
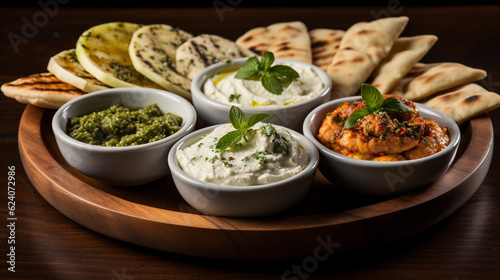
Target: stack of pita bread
x=367, y=52
x=373, y=52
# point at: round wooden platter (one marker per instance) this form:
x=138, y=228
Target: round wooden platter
x=329, y=220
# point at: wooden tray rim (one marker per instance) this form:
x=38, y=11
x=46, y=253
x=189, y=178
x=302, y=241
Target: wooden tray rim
x=154, y=214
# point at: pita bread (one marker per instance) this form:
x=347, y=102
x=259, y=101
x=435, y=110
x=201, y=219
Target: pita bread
x=465, y=102
x=405, y=53
x=362, y=48
x=285, y=40
x=324, y=45
x=426, y=80
x=42, y=90
x=199, y=52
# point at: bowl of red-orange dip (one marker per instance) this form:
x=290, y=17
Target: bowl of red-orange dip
x=379, y=153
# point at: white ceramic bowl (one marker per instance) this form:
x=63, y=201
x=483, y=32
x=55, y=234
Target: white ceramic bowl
x=122, y=166
x=242, y=201
x=291, y=116
x=381, y=178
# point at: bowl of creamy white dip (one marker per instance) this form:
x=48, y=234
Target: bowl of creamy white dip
x=256, y=178
x=215, y=89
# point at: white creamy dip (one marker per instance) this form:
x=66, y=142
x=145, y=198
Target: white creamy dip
x=258, y=160
x=225, y=88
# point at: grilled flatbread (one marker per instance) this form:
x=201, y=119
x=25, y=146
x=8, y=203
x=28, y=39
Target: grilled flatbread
x=42, y=90
x=362, y=48
x=465, y=102
x=325, y=43
x=65, y=67
x=102, y=50
x=284, y=39
x=152, y=52
x=427, y=79
x=405, y=53
x=197, y=53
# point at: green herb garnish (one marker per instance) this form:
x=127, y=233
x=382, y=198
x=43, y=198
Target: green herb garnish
x=242, y=126
x=233, y=97
x=260, y=156
x=271, y=77
x=374, y=104
x=280, y=143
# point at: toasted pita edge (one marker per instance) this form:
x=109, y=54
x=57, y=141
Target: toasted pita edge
x=436, y=77
x=325, y=43
x=273, y=38
x=405, y=53
x=465, y=102
x=362, y=48
x=43, y=90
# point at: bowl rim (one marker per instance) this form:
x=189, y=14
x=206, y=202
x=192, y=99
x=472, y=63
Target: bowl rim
x=188, y=123
x=175, y=168
x=453, y=128
x=206, y=73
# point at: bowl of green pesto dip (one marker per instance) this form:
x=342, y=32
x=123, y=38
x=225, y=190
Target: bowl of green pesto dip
x=122, y=136
x=120, y=126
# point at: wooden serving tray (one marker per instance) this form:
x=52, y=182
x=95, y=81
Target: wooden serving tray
x=329, y=220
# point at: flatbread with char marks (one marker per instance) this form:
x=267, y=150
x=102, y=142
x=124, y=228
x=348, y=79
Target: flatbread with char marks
x=465, y=102
x=42, y=90
x=199, y=52
x=362, y=48
x=325, y=43
x=405, y=53
x=427, y=79
x=284, y=39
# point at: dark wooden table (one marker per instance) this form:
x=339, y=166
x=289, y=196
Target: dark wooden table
x=48, y=245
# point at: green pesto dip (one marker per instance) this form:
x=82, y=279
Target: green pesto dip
x=118, y=126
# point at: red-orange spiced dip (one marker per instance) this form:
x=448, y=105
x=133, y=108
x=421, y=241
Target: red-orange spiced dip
x=381, y=128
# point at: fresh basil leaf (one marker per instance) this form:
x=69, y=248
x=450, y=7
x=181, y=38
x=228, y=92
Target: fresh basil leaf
x=371, y=110
x=241, y=124
x=266, y=61
x=371, y=96
x=271, y=77
x=230, y=139
x=284, y=72
x=237, y=118
x=394, y=105
x=271, y=83
x=250, y=69
x=355, y=117
x=256, y=119
x=374, y=104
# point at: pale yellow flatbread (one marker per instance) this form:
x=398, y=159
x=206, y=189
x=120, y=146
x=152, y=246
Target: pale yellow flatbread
x=465, y=102
x=325, y=43
x=42, y=90
x=103, y=51
x=284, y=39
x=65, y=66
x=362, y=48
x=405, y=53
x=425, y=80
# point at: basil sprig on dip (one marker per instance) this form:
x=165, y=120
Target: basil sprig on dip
x=241, y=124
x=271, y=77
x=374, y=104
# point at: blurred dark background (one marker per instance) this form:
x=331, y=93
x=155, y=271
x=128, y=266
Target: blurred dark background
x=240, y=3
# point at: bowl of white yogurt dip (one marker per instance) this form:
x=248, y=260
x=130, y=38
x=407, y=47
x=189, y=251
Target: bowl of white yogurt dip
x=215, y=89
x=269, y=172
